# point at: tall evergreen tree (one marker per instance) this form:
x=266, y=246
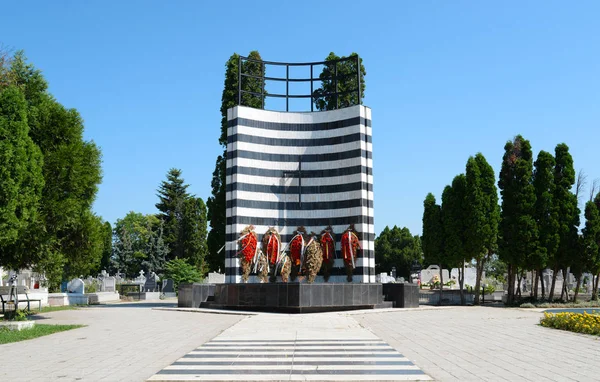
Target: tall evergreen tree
x=107, y=247
x=545, y=216
x=518, y=236
x=432, y=239
x=172, y=195
x=567, y=212
x=21, y=179
x=483, y=215
x=346, y=84
x=216, y=202
x=195, y=232
x=454, y=225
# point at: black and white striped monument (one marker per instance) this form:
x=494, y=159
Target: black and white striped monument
x=312, y=169
x=299, y=198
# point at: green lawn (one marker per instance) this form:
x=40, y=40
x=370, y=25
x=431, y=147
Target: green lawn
x=39, y=330
x=47, y=309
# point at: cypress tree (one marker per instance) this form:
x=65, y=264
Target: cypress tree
x=545, y=216
x=454, y=225
x=433, y=232
x=194, y=232
x=518, y=236
x=567, y=212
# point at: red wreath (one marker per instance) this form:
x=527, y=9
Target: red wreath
x=248, y=244
x=273, y=249
x=350, y=245
x=296, y=249
x=328, y=246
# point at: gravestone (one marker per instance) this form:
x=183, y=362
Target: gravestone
x=167, y=286
x=76, y=286
x=428, y=274
x=141, y=279
x=151, y=284
x=109, y=284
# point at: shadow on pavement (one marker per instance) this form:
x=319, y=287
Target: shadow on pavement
x=146, y=305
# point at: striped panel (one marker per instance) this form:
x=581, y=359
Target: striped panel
x=308, y=359
x=336, y=186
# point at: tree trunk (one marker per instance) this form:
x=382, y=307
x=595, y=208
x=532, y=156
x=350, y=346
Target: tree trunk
x=554, y=274
x=565, y=289
x=511, y=284
x=579, y=274
x=535, y=283
x=595, y=291
x=478, y=272
x=441, y=283
x=519, y=278
x=541, y=274
x=461, y=282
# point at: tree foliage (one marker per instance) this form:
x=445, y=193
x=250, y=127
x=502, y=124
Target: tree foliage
x=518, y=229
x=180, y=271
x=346, y=82
x=431, y=240
x=172, y=195
x=21, y=179
x=454, y=221
x=71, y=174
x=194, y=232
x=397, y=247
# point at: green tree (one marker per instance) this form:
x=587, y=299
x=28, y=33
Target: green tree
x=71, y=171
x=567, y=213
x=397, y=247
x=139, y=244
x=454, y=224
x=216, y=203
x=180, y=271
x=346, y=82
x=518, y=236
x=194, y=231
x=432, y=239
x=545, y=216
x=172, y=195
x=482, y=215
x=21, y=179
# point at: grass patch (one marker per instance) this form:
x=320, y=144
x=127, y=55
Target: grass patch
x=573, y=322
x=39, y=330
x=47, y=309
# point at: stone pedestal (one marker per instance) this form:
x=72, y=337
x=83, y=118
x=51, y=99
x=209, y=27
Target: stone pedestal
x=402, y=295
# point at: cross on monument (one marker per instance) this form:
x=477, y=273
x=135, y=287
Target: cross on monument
x=299, y=174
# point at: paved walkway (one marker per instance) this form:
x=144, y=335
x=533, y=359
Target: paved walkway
x=134, y=342
x=281, y=347
x=122, y=342
x=487, y=344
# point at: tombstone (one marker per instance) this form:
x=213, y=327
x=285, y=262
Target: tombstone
x=168, y=286
x=428, y=274
x=151, y=284
x=216, y=278
x=141, y=279
x=76, y=286
x=109, y=284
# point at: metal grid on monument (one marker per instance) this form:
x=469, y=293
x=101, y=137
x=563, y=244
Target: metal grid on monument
x=287, y=79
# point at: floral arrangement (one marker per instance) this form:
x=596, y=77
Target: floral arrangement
x=248, y=243
x=314, y=258
x=297, y=247
x=350, y=248
x=271, y=244
x=327, y=242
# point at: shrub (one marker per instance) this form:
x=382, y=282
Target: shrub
x=16, y=315
x=574, y=322
x=180, y=271
x=527, y=305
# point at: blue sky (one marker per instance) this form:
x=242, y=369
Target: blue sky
x=444, y=79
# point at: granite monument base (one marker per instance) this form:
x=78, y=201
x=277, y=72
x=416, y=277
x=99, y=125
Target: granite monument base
x=192, y=295
x=403, y=295
x=297, y=298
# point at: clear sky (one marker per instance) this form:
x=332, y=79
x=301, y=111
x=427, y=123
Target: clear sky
x=444, y=80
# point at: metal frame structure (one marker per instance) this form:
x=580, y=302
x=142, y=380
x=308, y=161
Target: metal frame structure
x=287, y=80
